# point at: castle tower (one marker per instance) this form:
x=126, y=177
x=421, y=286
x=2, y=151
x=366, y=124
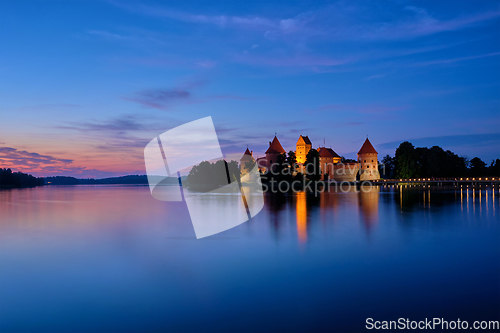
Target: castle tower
x=273, y=151
x=246, y=161
x=303, y=147
x=368, y=164
x=327, y=159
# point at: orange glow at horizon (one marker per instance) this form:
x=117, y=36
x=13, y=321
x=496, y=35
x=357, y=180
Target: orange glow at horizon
x=80, y=159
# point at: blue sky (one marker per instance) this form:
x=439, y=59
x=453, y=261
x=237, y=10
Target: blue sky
x=86, y=84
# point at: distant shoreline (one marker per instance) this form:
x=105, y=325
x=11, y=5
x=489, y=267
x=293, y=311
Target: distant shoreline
x=123, y=180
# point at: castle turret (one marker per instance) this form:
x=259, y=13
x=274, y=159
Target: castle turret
x=273, y=151
x=246, y=162
x=303, y=147
x=368, y=164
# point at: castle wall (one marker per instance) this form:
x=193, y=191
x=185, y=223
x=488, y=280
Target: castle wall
x=368, y=167
x=271, y=158
x=346, y=172
x=326, y=166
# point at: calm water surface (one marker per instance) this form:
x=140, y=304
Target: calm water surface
x=111, y=258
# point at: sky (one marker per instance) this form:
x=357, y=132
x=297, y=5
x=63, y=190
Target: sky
x=85, y=85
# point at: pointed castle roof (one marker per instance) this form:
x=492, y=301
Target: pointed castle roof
x=247, y=156
x=327, y=152
x=275, y=147
x=305, y=139
x=334, y=154
x=367, y=148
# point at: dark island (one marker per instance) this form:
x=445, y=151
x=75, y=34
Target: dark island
x=9, y=179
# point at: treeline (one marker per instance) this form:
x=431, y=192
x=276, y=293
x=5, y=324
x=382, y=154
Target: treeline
x=125, y=180
x=208, y=176
x=18, y=179
x=411, y=162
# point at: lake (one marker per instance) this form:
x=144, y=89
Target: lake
x=113, y=259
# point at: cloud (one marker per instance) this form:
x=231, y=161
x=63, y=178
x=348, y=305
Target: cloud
x=161, y=99
x=115, y=143
x=319, y=40
x=229, y=97
x=453, y=60
x=122, y=134
x=376, y=76
x=246, y=22
x=421, y=24
x=42, y=165
x=10, y=155
x=271, y=28
x=125, y=124
x=205, y=64
x=21, y=160
x=167, y=99
x=340, y=21
x=108, y=35
x=374, y=109
x=303, y=60
x=48, y=106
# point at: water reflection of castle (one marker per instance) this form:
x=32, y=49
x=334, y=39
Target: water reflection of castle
x=330, y=162
x=324, y=211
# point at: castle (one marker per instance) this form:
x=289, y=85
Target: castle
x=366, y=168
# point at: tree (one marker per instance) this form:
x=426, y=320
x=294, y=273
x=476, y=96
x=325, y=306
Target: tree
x=208, y=176
x=311, y=165
x=411, y=162
x=386, y=168
x=456, y=165
x=291, y=160
x=433, y=162
x=406, y=166
x=477, y=167
x=233, y=171
x=494, y=169
x=18, y=179
x=280, y=166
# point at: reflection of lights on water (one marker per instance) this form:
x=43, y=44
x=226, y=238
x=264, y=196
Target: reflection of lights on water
x=461, y=199
x=467, y=193
x=301, y=212
x=401, y=198
x=480, y=205
x=486, y=195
